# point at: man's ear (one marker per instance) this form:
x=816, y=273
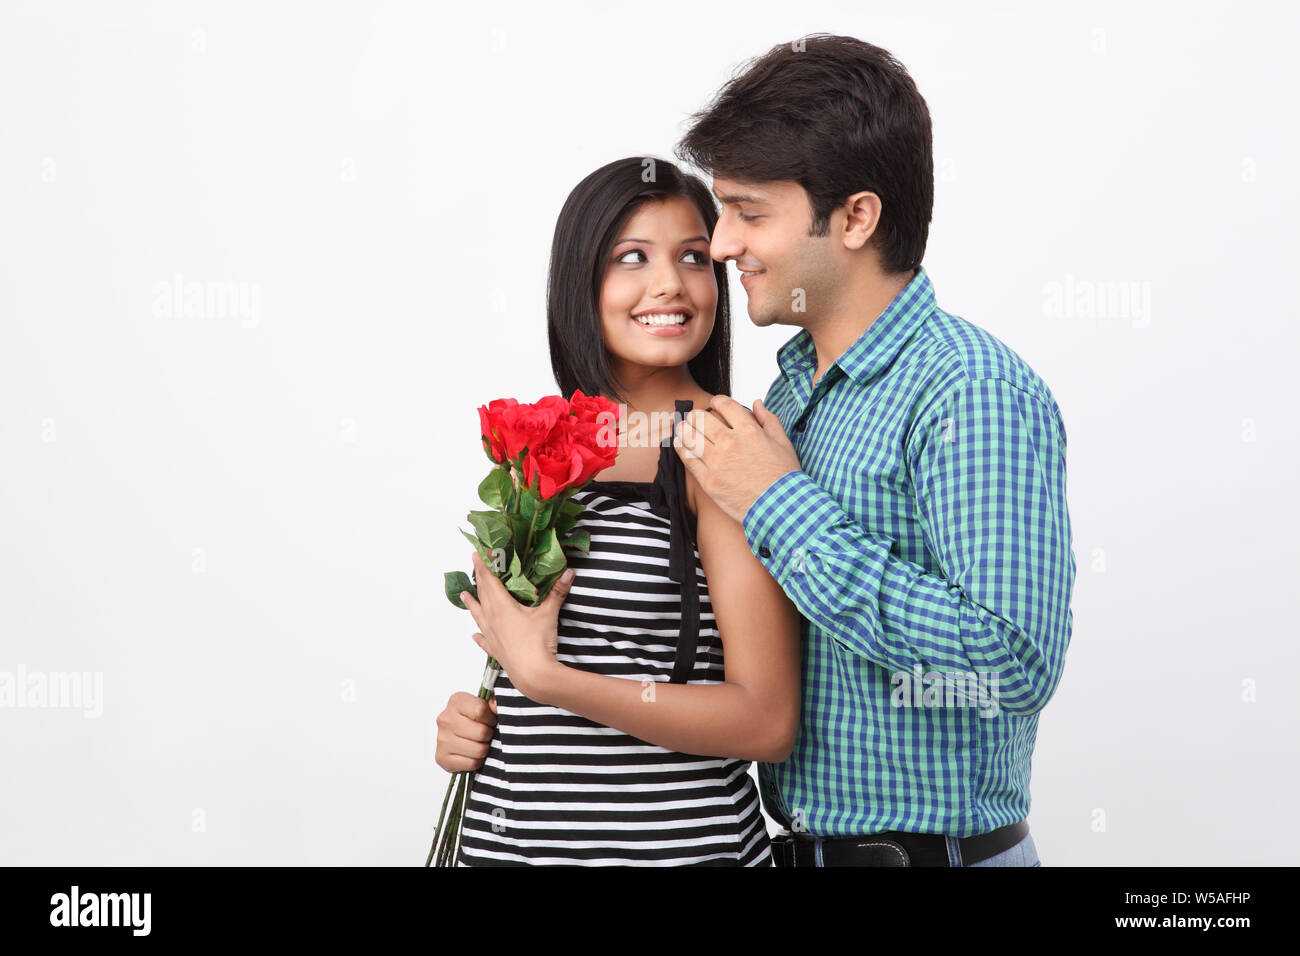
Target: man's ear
x=862, y=216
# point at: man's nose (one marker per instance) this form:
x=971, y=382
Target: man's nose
x=724, y=245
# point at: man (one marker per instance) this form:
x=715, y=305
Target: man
x=904, y=480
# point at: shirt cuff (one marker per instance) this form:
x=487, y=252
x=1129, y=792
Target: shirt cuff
x=784, y=518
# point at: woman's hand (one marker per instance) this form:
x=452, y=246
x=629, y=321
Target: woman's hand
x=465, y=732
x=524, y=640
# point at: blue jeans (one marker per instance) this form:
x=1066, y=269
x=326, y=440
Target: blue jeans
x=1022, y=854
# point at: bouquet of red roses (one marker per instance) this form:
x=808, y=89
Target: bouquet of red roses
x=541, y=454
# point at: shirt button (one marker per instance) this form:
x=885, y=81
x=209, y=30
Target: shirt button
x=797, y=563
x=763, y=552
x=803, y=422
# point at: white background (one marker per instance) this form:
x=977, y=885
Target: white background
x=242, y=522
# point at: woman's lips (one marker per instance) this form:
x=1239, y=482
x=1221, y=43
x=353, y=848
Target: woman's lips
x=665, y=331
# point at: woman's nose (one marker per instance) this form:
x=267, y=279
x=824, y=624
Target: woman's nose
x=666, y=280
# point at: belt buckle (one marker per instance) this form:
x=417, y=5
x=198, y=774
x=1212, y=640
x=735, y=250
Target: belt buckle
x=872, y=851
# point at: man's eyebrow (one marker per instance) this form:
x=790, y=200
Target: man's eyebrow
x=740, y=197
x=650, y=242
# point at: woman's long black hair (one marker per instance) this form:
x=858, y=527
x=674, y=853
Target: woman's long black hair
x=590, y=221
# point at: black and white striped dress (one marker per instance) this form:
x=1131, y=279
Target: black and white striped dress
x=560, y=789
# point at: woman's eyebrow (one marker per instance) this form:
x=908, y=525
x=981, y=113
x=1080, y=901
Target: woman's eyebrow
x=650, y=242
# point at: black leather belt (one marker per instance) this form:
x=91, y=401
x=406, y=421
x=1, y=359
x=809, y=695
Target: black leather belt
x=893, y=848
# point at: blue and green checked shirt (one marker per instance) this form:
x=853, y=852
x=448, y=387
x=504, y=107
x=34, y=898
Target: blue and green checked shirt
x=925, y=541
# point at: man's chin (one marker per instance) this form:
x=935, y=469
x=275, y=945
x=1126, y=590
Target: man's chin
x=763, y=317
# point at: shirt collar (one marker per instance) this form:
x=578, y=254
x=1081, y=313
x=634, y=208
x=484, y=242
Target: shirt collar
x=877, y=347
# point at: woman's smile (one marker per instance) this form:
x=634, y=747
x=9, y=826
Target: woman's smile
x=664, y=322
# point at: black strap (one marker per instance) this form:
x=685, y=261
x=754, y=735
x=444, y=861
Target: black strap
x=671, y=485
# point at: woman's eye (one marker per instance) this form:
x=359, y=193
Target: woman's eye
x=702, y=258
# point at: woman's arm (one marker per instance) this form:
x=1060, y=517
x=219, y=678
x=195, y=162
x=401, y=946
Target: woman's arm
x=755, y=713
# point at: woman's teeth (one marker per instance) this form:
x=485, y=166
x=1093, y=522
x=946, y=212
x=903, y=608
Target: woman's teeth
x=675, y=318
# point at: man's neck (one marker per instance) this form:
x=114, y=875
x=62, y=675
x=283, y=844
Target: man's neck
x=860, y=306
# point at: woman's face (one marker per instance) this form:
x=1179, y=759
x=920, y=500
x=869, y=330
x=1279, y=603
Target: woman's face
x=659, y=264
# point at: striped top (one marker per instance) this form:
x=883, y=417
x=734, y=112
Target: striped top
x=560, y=789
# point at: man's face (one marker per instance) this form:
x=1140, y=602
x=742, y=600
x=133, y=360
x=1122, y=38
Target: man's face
x=787, y=274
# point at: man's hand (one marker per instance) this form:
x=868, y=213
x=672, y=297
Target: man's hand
x=465, y=732
x=735, y=456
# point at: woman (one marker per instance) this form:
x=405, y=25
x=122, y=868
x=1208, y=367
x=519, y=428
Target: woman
x=619, y=737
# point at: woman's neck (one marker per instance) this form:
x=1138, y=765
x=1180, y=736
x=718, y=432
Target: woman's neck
x=648, y=414
x=656, y=390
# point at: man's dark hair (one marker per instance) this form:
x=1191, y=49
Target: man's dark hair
x=588, y=225
x=838, y=116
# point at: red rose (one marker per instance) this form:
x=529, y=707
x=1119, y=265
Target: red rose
x=593, y=408
x=556, y=464
x=490, y=427
x=597, y=446
x=595, y=432
x=530, y=425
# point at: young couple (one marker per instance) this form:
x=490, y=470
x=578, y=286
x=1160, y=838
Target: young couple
x=863, y=582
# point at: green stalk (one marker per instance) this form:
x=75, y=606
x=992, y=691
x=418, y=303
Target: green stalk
x=453, y=824
x=460, y=830
x=447, y=837
x=451, y=785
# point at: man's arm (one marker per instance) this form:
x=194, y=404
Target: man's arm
x=988, y=470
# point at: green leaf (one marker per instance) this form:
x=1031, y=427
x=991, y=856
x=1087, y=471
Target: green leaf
x=516, y=568
x=580, y=539
x=497, y=560
x=453, y=583
x=528, y=508
x=566, y=515
x=545, y=514
x=483, y=550
x=519, y=529
x=492, y=527
x=545, y=583
x=541, y=538
x=520, y=586
x=550, y=557
x=494, y=490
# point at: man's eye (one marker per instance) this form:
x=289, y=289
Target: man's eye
x=744, y=218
